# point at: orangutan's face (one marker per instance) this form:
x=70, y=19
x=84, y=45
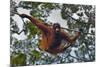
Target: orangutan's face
x=56, y=27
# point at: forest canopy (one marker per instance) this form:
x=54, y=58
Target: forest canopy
x=25, y=36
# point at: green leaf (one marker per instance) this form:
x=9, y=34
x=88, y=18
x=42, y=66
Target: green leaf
x=33, y=30
x=36, y=54
x=18, y=59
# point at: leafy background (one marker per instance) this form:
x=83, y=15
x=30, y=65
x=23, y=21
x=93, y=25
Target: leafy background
x=25, y=51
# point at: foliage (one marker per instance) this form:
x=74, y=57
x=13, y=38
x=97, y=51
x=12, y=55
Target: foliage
x=36, y=54
x=32, y=29
x=18, y=59
x=87, y=39
x=82, y=51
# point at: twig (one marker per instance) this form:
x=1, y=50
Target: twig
x=17, y=32
x=75, y=57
